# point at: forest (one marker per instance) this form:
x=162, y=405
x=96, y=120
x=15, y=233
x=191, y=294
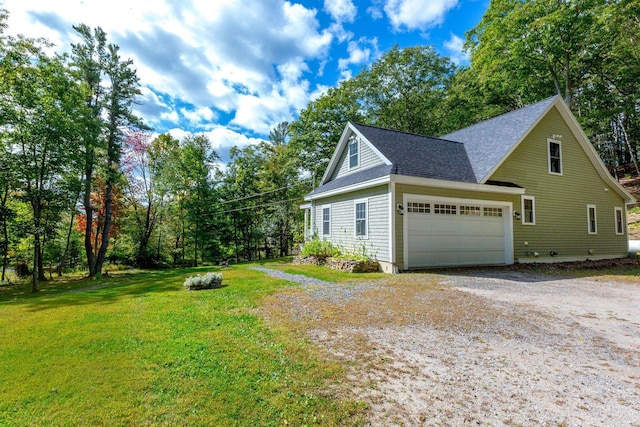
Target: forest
x=86, y=184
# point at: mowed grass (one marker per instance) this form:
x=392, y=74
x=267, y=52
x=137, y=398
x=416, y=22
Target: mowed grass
x=139, y=350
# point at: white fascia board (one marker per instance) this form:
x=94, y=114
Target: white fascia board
x=455, y=185
x=344, y=139
x=591, y=152
x=514, y=146
x=349, y=188
x=371, y=146
x=336, y=153
x=305, y=206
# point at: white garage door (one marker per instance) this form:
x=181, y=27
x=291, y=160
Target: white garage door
x=443, y=233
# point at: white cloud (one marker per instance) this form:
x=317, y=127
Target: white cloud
x=359, y=53
x=417, y=14
x=225, y=56
x=198, y=116
x=341, y=10
x=455, y=48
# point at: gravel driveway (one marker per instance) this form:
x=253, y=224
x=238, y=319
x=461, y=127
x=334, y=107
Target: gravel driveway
x=481, y=347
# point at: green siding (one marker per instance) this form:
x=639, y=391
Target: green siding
x=343, y=221
x=402, y=189
x=561, y=200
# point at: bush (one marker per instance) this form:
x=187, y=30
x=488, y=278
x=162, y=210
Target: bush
x=203, y=281
x=319, y=248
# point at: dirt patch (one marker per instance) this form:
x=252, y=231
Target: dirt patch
x=479, y=348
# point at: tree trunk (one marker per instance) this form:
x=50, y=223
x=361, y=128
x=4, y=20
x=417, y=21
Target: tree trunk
x=5, y=235
x=88, y=229
x=63, y=259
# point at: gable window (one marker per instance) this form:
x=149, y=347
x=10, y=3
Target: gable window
x=555, y=157
x=361, y=219
x=592, y=221
x=354, y=158
x=528, y=210
x=326, y=221
x=619, y=220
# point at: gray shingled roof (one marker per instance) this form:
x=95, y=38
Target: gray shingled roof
x=355, y=178
x=467, y=155
x=420, y=156
x=488, y=142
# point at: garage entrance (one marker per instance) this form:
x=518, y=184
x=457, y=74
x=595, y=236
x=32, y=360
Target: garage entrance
x=455, y=232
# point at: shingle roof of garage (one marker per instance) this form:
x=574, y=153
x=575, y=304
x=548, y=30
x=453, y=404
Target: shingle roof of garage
x=468, y=155
x=421, y=156
x=488, y=142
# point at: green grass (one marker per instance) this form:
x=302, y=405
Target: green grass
x=143, y=351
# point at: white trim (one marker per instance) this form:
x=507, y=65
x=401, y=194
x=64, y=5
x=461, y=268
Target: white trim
x=582, y=139
x=467, y=186
x=424, y=182
x=549, y=142
x=622, y=221
x=533, y=209
x=366, y=219
x=595, y=219
x=349, y=188
x=344, y=138
x=508, y=213
x=353, y=139
x=322, y=208
x=590, y=151
x=392, y=222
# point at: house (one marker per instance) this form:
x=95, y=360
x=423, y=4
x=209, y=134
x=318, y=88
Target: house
x=526, y=186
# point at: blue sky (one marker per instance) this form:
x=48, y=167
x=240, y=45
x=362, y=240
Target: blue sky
x=234, y=69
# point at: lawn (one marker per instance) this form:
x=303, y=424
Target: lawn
x=138, y=349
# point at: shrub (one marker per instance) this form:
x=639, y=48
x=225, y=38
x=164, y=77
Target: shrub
x=203, y=281
x=319, y=248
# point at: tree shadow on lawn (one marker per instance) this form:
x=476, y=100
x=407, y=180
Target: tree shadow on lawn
x=106, y=290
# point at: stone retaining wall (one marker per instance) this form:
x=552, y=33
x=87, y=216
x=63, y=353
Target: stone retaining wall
x=348, y=265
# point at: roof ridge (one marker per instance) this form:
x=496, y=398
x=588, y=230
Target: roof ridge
x=405, y=133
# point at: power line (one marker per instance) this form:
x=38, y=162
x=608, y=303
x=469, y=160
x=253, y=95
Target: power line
x=251, y=196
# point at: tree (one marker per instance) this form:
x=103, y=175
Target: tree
x=141, y=193
x=42, y=132
x=111, y=86
x=405, y=89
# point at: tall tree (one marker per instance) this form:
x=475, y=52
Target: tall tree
x=111, y=87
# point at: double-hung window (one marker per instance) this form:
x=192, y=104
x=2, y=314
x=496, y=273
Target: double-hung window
x=528, y=210
x=619, y=220
x=592, y=220
x=555, y=157
x=326, y=221
x=361, y=219
x=354, y=158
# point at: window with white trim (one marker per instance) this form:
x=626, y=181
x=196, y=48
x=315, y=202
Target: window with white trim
x=528, y=210
x=361, y=225
x=592, y=220
x=354, y=149
x=555, y=156
x=326, y=221
x=619, y=220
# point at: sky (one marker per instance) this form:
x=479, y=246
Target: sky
x=234, y=69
